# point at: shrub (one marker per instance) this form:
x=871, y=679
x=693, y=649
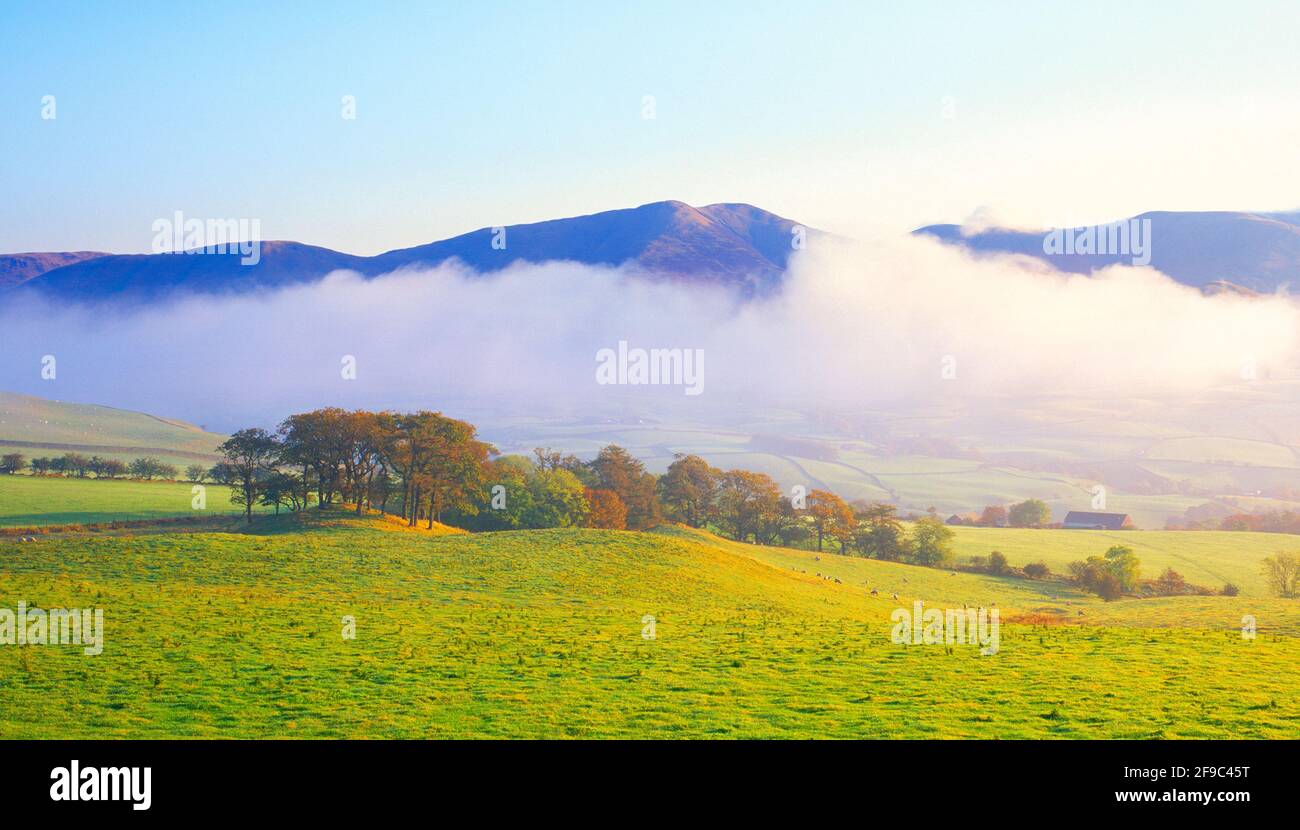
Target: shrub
x=997, y=563
x=1230, y=590
x=1037, y=570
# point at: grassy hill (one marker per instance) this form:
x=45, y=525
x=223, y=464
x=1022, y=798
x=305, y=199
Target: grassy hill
x=540, y=634
x=39, y=427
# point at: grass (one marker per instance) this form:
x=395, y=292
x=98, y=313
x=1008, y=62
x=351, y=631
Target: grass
x=1209, y=558
x=29, y=501
x=538, y=634
x=25, y=420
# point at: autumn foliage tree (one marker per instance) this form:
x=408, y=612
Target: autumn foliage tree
x=606, y=509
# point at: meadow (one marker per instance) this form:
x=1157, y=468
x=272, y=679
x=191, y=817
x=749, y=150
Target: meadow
x=542, y=634
x=28, y=501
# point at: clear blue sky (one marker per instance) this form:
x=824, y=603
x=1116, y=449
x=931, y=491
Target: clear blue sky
x=848, y=116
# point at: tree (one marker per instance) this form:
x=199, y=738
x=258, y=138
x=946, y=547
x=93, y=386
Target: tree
x=249, y=453
x=76, y=464
x=556, y=499
x=279, y=489
x=747, y=500
x=606, y=509
x=880, y=534
x=40, y=466
x=112, y=468
x=1029, y=513
x=1123, y=563
x=830, y=516
x=931, y=543
x=1282, y=573
x=13, y=462
x=778, y=521
x=994, y=516
x=195, y=473
x=222, y=473
x=689, y=490
x=617, y=470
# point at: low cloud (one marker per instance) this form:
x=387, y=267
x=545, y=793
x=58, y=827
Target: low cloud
x=900, y=323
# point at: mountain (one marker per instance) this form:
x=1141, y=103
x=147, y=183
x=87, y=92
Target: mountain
x=15, y=269
x=1213, y=250
x=730, y=244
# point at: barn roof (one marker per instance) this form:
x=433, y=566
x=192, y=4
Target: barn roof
x=1106, y=521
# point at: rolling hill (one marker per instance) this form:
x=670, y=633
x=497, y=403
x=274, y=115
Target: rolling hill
x=1211, y=250
x=36, y=427
x=548, y=634
x=15, y=269
x=732, y=244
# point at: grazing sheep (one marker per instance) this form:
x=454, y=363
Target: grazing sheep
x=837, y=581
x=895, y=596
x=874, y=592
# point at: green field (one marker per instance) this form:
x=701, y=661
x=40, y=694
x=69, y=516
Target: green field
x=1208, y=558
x=28, y=501
x=540, y=634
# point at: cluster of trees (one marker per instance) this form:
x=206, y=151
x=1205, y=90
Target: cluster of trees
x=749, y=506
x=1273, y=521
x=424, y=462
x=429, y=468
x=76, y=465
x=1270, y=521
x=1028, y=513
x=1110, y=576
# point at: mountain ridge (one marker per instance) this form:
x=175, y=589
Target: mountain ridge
x=1240, y=251
x=732, y=244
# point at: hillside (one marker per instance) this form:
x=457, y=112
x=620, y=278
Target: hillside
x=15, y=269
x=732, y=244
x=36, y=427
x=1211, y=250
x=540, y=634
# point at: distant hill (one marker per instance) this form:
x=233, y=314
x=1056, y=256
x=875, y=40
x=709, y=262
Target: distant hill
x=731, y=244
x=1215, y=251
x=36, y=426
x=15, y=269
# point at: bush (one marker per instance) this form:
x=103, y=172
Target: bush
x=1230, y=590
x=1170, y=583
x=997, y=563
x=1037, y=570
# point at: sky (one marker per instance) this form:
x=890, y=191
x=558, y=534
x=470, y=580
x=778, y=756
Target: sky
x=859, y=118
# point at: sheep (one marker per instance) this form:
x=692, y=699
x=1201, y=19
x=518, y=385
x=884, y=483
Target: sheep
x=895, y=596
